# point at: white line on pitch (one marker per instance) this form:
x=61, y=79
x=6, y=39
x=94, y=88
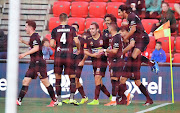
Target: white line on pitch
x=153, y=108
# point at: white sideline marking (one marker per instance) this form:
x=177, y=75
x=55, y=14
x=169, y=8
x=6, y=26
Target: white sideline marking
x=153, y=108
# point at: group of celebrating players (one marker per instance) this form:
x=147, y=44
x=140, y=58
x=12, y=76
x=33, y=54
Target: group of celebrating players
x=109, y=49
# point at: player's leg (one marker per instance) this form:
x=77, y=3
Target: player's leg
x=145, y=92
x=105, y=91
x=25, y=84
x=97, y=79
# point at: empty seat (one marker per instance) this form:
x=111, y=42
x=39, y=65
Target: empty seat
x=79, y=9
x=148, y=23
x=178, y=44
x=176, y=58
x=179, y=27
x=53, y=22
x=97, y=9
x=82, y=0
x=99, y=21
x=152, y=43
x=171, y=5
x=118, y=0
x=168, y=57
x=147, y=53
x=65, y=0
x=165, y=43
x=100, y=0
x=61, y=7
x=112, y=8
x=79, y=21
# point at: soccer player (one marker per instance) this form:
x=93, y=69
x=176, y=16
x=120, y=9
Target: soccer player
x=37, y=65
x=64, y=36
x=99, y=62
x=138, y=42
x=78, y=63
x=115, y=56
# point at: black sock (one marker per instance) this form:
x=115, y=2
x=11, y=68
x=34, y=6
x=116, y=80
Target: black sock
x=104, y=90
x=81, y=91
x=144, y=91
x=22, y=93
x=97, y=91
x=114, y=87
x=147, y=61
x=58, y=87
x=72, y=85
x=51, y=93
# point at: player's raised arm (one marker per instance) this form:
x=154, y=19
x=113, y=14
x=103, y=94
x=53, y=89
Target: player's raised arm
x=23, y=41
x=33, y=50
x=52, y=41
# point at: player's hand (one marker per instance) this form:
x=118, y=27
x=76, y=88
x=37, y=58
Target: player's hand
x=157, y=24
x=151, y=13
x=22, y=56
x=78, y=52
x=81, y=63
x=20, y=40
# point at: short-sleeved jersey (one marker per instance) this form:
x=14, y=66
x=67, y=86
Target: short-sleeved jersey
x=81, y=47
x=63, y=35
x=133, y=19
x=116, y=43
x=94, y=46
x=35, y=40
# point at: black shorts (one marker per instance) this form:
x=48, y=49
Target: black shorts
x=99, y=67
x=64, y=63
x=116, y=67
x=141, y=43
x=37, y=68
x=132, y=68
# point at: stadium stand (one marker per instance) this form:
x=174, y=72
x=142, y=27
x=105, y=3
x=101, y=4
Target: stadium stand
x=118, y=0
x=172, y=1
x=165, y=43
x=79, y=9
x=179, y=27
x=100, y=0
x=112, y=8
x=168, y=57
x=61, y=7
x=97, y=9
x=119, y=21
x=79, y=21
x=176, y=58
x=178, y=44
x=148, y=23
x=97, y=20
x=171, y=5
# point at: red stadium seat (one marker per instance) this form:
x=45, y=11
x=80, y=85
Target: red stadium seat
x=98, y=20
x=112, y=8
x=97, y=9
x=82, y=0
x=79, y=9
x=53, y=22
x=171, y=5
x=178, y=44
x=176, y=58
x=147, y=53
x=152, y=43
x=148, y=23
x=172, y=1
x=79, y=21
x=118, y=0
x=119, y=21
x=48, y=36
x=168, y=57
x=100, y=0
x=179, y=27
x=165, y=43
x=61, y=7
x=65, y=0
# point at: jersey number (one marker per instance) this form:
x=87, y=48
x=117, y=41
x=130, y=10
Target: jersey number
x=63, y=38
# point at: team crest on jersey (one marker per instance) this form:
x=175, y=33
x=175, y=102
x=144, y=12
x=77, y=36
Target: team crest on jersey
x=91, y=43
x=101, y=42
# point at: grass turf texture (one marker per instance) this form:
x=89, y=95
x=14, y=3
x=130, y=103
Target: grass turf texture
x=38, y=105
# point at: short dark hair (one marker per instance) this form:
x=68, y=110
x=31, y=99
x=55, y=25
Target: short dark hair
x=44, y=40
x=113, y=18
x=165, y=3
x=76, y=25
x=126, y=8
x=124, y=28
x=31, y=23
x=159, y=42
x=63, y=17
x=96, y=24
